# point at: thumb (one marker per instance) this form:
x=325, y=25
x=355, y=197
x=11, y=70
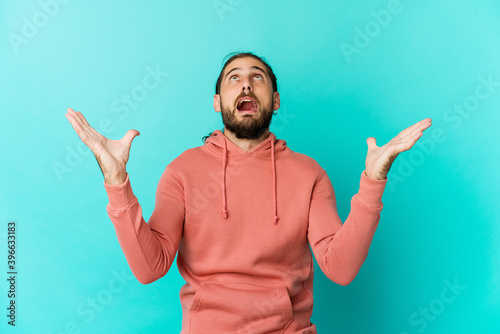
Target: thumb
x=129, y=136
x=372, y=143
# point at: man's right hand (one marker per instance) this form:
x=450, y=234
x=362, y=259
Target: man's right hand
x=111, y=155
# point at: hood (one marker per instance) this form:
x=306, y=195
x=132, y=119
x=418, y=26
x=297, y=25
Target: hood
x=220, y=145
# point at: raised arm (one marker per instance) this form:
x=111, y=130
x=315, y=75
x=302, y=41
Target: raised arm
x=340, y=249
x=149, y=248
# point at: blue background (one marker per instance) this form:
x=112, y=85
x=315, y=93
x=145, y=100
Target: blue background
x=346, y=71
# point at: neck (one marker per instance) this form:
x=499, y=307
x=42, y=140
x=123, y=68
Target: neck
x=245, y=144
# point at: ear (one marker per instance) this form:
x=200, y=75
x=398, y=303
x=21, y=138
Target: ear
x=217, y=102
x=276, y=98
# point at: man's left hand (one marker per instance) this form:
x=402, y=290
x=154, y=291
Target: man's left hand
x=379, y=159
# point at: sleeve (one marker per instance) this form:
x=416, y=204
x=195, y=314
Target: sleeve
x=340, y=249
x=149, y=248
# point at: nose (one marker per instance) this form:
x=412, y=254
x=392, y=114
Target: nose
x=246, y=85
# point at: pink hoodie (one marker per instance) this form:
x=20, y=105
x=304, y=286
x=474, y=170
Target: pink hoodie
x=243, y=224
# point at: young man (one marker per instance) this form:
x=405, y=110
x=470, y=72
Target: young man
x=244, y=211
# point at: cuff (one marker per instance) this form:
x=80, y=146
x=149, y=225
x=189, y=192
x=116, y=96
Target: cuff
x=120, y=195
x=371, y=191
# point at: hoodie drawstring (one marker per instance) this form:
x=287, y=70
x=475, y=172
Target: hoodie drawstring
x=224, y=211
x=273, y=162
x=275, y=220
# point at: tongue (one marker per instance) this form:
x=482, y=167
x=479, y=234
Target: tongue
x=247, y=105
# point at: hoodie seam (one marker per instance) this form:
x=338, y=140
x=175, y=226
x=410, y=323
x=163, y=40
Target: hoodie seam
x=320, y=175
x=323, y=172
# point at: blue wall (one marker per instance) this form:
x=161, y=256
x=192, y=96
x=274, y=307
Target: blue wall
x=347, y=70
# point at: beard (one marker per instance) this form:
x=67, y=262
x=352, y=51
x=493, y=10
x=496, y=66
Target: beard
x=252, y=126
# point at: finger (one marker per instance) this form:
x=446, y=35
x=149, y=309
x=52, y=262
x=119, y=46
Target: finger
x=84, y=125
x=412, y=128
x=129, y=136
x=76, y=125
x=75, y=117
x=84, y=120
x=405, y=146
x=420, y=129
x=424, y=124
x=82, y=128
x=416, y=128
x=372, y=143
x=408, y=142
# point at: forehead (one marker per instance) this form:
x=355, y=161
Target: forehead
x=244, y=64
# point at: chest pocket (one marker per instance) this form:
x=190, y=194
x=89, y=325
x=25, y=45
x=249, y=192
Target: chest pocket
x=240, y=307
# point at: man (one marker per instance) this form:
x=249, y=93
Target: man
x=242, y=211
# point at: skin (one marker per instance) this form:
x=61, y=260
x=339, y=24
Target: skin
x=246, y=82
x=379, y=159
x=112, y=155
x=243, y=82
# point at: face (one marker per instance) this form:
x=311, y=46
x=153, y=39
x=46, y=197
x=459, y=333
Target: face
x=246, y=77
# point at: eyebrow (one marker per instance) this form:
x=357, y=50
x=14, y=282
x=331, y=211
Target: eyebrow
x=239, y=68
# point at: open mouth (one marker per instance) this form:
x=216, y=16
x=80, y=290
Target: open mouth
x=247, y=105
